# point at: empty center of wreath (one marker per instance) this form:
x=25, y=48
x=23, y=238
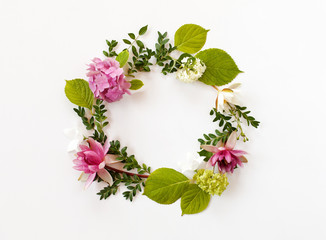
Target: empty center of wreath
x=162, y=123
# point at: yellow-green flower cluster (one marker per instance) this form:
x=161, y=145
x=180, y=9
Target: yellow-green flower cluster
x=210, y=182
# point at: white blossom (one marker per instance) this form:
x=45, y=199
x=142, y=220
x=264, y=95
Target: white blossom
x=191, y=70
x=192, y=163
x=227, y=95
x=76, y=135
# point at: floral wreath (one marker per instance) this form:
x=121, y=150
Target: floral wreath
x=110, y=79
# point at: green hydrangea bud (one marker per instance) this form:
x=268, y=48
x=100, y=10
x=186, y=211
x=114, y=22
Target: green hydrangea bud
x=210, y=182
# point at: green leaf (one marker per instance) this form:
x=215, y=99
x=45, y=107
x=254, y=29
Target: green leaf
x=79, y=93
x=126, y=41
x=143, y=30
x=166, y=185
x=190, y=38
x=131, y=35
x=106, y=53
x=134, y=51
x=194, y=200
x=136, y=84
x=220, y=67
x=122, y=58
x=140, y=44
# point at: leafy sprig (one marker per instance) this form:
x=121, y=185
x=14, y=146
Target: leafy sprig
x=89, y=123
x=140, y=60
x=243, y=112
x=130, y=161
x=111, y=52
x=99, y=116
x=133, y=182
x=134, y=185
x=237, y=113
x=223, y=120
x=213, y=139
x=225, y=123
x=162, y=54
x=108, y=191
x=96, y=122
x=207, y=155
x=99, y=120
x=141, y=54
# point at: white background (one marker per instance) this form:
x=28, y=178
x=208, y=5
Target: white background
x=279, y=194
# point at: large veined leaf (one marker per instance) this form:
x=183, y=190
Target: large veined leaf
x=190, y=38
x=166, y=185
x=194, y=200
x=79, y=93
x=220, y=67
x=122, y=58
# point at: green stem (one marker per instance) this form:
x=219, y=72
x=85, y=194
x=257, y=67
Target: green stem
x=239, y=127
x=128, y=173
x=133, y=42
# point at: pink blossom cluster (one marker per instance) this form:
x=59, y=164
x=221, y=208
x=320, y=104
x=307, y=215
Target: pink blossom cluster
x=106, y=79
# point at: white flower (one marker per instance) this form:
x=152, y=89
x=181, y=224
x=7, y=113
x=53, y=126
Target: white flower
x=193, y=162
x=76, y=135
x=227, y=95
x=191, y=70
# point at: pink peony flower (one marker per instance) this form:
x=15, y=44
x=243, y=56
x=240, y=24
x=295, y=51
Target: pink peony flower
x=106, y=79
x=92, y=160
x=225, y=156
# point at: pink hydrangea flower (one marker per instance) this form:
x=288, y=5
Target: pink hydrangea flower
x=106, y=79
x=92, y=160
x=225, y=156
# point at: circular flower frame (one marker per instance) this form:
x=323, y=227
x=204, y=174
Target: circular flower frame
x=101, y=159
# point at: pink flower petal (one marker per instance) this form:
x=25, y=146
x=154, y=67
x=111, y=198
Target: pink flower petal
x=243, y=159
x=83, y=147
x=210, y=148
x=230, y=143
x=82, y=168
x=105, y=176
x=119, y=166
x=90, y=179
x=79, y=161
x=106, y=146
x=96, y=147
x=92, y=158
x=221, y=155
x=101, y=165
x=111, y=159
x=214, y=159
x=228, y=157
x=219, y=144
x=238, y=153
x=93, y=168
